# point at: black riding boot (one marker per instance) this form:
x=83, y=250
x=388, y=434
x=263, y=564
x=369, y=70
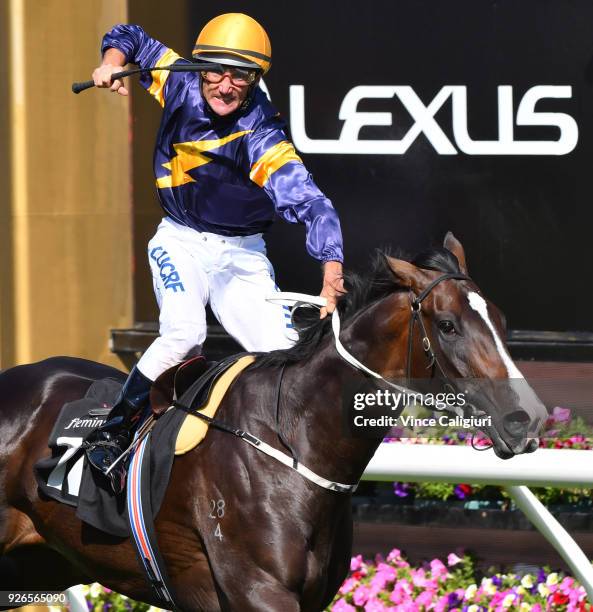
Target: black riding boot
x=108, y=442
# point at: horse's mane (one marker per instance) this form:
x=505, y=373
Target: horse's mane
x=363, y=290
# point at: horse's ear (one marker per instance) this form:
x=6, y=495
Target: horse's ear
x=407, y=274
x=452, y=244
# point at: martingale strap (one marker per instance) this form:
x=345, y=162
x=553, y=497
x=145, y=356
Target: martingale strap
x=283, y=458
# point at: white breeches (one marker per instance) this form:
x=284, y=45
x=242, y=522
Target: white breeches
x=190, y=269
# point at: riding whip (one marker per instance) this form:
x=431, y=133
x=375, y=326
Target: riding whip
x=195, y=67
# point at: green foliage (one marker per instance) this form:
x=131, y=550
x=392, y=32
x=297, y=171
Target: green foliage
x=435, y=490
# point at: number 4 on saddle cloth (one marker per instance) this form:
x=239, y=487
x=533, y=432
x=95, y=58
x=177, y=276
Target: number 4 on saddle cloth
x=66, y=477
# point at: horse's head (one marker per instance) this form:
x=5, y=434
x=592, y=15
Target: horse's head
x=466, y=338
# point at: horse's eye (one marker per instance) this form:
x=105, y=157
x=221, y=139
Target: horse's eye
x=447, y=327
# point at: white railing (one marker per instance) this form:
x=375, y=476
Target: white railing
x=545, y=467
x=439, y=463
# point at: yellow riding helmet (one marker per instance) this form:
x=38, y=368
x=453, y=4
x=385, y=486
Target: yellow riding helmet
x=235, y=39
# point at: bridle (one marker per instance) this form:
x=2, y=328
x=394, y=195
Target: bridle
x=415, y=318
x=433, y=361
x=416, y=308
x=296, y=300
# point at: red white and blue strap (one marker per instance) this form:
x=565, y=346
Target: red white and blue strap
x=141, y=523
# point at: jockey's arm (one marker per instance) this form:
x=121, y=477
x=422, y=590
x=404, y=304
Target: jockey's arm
x=113, y=61
x=277, y=168
x=333, y=285
x=125, y=44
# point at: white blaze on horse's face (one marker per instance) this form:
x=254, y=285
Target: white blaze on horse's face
x=478, y=303
x=528, y=399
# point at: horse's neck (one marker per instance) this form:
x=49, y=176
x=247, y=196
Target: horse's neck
x=316, y=390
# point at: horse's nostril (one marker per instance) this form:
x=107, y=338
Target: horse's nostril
x=516, y=423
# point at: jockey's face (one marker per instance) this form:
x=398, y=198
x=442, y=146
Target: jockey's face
x=226, y=96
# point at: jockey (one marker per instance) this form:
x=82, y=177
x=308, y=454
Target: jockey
x=224, y=168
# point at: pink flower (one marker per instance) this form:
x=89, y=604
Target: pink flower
x=388, y=571
x=425, y=598
x=378, y=582
x=437, y=569
x=356, y=563
x=394, y=554
x=342, y=606
x=442, y=604
x=401, y=592
x=453, y=559
x=375, y=605
x=361, y=595
x=418, y=577
x=347, y=586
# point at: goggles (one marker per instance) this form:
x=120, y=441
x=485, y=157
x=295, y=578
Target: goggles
x=239, y=76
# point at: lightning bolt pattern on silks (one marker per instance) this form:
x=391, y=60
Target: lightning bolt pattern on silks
x=189, y=156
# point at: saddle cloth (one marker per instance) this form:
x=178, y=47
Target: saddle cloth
x=66, y=477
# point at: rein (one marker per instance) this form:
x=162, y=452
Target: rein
x=296, y=300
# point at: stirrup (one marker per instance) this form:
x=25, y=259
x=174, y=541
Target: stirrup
x=90, y=446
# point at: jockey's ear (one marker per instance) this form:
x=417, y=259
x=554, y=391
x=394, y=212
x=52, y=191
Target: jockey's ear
x=407, y=274
x=452, y=244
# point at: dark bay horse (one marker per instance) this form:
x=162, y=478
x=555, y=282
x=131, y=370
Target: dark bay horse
x=238, y=530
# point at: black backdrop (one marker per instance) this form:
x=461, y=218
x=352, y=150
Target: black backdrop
x=525, y=220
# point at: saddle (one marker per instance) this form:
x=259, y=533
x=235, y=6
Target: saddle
x=202, y=386
x=193, y=386
x=196, y=373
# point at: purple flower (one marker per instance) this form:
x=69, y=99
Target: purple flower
x=462, y=491
x=401, y=489
x=453, y=599
x=496, y=580
x=541, y=576
x=560, y=415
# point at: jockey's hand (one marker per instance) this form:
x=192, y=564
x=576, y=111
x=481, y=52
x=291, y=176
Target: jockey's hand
x=333, y=286
x=113, y=61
